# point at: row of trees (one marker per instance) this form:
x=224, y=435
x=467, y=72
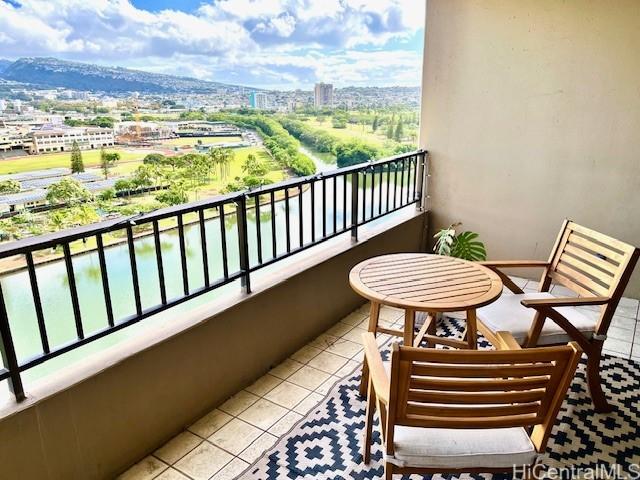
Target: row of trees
x=347, y=153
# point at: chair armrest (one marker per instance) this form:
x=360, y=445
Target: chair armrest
x=564, y=302
x=514, y=263
x=506, y=341
x=377, y=373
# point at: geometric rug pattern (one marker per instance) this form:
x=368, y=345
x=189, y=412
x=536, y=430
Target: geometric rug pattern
x=327, y=442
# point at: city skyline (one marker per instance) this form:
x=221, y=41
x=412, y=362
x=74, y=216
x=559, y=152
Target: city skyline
x=274, y=44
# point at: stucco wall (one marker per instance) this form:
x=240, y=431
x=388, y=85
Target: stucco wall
x=531, y=113
x=98, y=427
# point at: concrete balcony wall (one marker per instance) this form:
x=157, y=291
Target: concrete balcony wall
x=97, y=424
x=531, y=113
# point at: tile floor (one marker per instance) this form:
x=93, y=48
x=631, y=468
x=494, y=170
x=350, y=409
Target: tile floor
x=224, y=442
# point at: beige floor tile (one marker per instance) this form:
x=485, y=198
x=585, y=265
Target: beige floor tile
x=390, y=314
x=327, y=385
x=210, y=423
x=203, y=461
x=629, y=310
x=618, y=346
x=521, y=282
x=309, y=377
x=623, y=322
x=328, y=362
x=347, y=369
x=257, y=448
x=146, y=469
x=323, y=341
x=286, y=369
x=235, y=436
x=306, y=353
x=238, y=403
x=345, y=348
x=364, y=309
x=354, y=318
x=308, y=403
x=263, y=414
x=287, y=394
x=285, y=424
x=619, y=333
x=171, y=474
x=339, y=329
x=234, y=468
x=263, y=385
x=355, y=335
x=177, y=447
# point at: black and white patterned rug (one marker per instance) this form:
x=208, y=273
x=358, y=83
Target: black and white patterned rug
x=327, y=442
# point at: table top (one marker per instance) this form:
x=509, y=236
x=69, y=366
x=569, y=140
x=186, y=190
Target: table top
x=426, y=282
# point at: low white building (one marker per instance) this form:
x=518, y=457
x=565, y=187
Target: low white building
x=60, y=139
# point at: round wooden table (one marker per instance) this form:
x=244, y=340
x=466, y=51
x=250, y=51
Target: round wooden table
x=420, y=282
x=428, y=283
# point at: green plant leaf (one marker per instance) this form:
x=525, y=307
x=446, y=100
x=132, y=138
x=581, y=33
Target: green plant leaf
x=466, y=247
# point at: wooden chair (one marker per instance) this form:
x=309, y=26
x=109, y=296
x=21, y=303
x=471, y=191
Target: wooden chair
x=465, y=411
x=594, y=266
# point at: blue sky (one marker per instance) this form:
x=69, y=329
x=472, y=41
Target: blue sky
x=283, y=44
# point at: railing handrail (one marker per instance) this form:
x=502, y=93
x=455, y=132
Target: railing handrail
x=49, y=240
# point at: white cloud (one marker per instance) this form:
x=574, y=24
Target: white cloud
x=276, y=42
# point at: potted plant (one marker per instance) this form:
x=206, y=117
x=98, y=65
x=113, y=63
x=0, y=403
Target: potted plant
x=462, y=245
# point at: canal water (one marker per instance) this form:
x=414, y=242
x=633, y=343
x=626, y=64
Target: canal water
x=54, y=287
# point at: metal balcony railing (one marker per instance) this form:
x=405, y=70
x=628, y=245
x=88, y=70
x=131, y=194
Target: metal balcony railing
x=287, y=218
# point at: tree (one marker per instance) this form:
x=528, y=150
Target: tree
x=108, y=194
x=77, y=166
x=9, y=186
x=142, y=177
x=124, y=185
x=390, y=130
x=67, y=191
x=354, y=152
x=252, y=166
x=374, y=125
x=107, y=160
x=155, y=158
x=399, y=133
x=173, y=196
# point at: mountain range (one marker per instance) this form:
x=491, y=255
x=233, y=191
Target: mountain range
x=52, y=72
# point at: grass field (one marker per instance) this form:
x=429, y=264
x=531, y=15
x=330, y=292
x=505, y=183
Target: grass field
x=91, y=158
x=352, y=131
x=182, y=141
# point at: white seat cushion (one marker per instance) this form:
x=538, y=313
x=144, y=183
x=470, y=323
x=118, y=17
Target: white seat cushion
x=461, y=448
x=508, y=314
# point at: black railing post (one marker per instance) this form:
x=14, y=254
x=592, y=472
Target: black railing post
x=7, y=349
x=422, y=175
x=354, y=206
x=243, y=243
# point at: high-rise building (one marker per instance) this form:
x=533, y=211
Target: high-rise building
x=323, y=95
x=259, y=100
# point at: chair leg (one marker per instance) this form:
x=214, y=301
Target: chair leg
x=388, y=471
x=374, y=315
x=364, y=379
x=368, y=424
x=600, y=403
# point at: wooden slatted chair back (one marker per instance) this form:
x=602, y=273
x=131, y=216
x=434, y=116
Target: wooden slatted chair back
x=476, y=389
x=591, y=264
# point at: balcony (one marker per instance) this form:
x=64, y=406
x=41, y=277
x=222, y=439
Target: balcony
x=205, y=339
